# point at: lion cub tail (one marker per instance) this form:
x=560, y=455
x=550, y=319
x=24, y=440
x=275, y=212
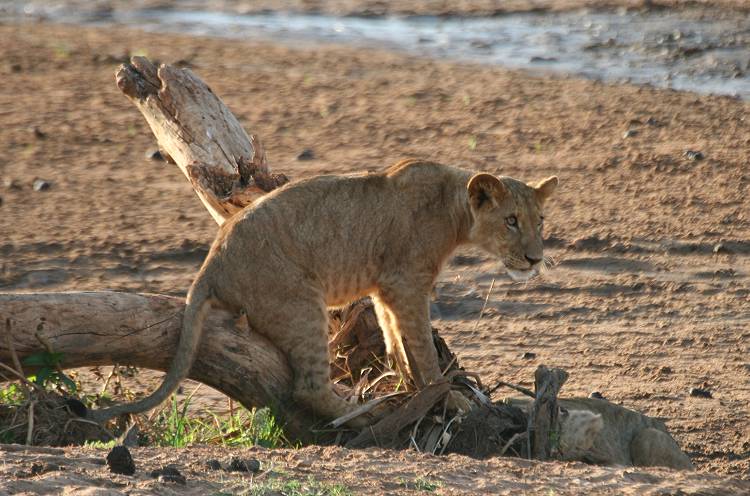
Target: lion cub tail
x=198, y=302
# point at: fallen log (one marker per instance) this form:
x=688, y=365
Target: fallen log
x=106, y=328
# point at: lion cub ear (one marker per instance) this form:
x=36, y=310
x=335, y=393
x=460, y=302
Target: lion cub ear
x=483, y=188
x=544, y=189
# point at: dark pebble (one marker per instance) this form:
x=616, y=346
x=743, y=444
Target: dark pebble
x=700, y=393
x=306, y=154
x=39, y=469
x=693, y=155
x=168, y=473
x=528, y=355
x=41, y=185
x=76, y=406
x=16, y=67
x=537, y=59
x=120, y=461
x=244, y=465
x=597, y=395
x=38, y=133
x=155, y=155
x=630, y=133
x=213, y=465
x=177, y=479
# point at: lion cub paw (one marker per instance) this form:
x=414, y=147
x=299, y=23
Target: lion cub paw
x=457, y=402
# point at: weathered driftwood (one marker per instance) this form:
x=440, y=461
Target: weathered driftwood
x=227, y=169
x=543, y=421
x=106, y=328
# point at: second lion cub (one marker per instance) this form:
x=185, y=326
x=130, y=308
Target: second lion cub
x=329, y=240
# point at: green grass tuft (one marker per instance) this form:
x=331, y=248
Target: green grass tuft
x=295, y=487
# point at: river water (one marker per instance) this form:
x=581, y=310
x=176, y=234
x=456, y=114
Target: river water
x=683, y=49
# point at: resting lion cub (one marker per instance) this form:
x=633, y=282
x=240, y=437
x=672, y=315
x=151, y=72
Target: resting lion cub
x=329, y=240
x=600, y=432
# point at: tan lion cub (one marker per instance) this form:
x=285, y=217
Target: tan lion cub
x=329, y=240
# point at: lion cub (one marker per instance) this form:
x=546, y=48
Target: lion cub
x=328, y=240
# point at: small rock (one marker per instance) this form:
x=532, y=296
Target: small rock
x=481, y=45
x=700, y=393
x=693, y=155
x=155, y=155
x=597, y=395
x=177, y=479
x=16, y=67
x=38, y=133
x=244, y=465
x=537, y=59
x=120, y=461
x=41, y=185
x=652, y=122
x=629, y=133
x=306, y=154
x=213, y=465
x=43, y=468
x=528, y=355
x=168, y=473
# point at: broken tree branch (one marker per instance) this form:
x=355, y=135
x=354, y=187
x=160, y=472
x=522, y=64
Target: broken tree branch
x=227, y=169
x=543, y=424
x=104, y=328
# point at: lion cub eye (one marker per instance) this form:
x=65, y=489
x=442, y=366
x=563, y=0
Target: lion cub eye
x=511, y=221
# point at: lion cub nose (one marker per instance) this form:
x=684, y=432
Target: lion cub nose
x=532, y=261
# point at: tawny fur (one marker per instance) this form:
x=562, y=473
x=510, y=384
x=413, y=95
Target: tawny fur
x=597, y=431
x=328, y=240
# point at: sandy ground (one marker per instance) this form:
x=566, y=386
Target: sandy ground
x=82, y=471
x=649, y=298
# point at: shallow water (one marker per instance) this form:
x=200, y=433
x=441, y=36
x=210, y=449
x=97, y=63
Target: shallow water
x=677, y=49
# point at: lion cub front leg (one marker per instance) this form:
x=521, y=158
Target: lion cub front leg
x=409, y=322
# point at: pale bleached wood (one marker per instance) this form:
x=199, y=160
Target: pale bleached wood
x=105, y=328
x=226, y=167
x=543, y=423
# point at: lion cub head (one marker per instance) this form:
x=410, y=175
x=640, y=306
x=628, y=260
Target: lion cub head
x=508, y=220
x=578, y=431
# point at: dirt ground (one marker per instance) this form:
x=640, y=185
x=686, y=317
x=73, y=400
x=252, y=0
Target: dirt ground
x=650, y=295
x=81, y=471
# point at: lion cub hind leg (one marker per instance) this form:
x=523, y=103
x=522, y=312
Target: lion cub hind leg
x=299, y=329
x=654, y=448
